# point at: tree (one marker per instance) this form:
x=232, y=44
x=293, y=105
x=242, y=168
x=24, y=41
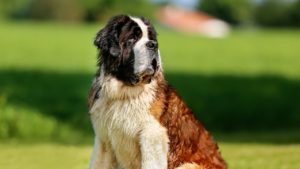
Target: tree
x=295, y=14
x=103, y=9
x=276, y=13
x=232, y=11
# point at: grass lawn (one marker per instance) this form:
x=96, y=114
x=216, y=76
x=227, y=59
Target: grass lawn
x=249, y=81
x=238, y=156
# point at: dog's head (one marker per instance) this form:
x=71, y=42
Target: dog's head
x=129, y=49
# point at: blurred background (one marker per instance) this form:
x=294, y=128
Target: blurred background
x=235, y=62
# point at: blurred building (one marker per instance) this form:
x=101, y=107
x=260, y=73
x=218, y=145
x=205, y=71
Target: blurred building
x=192, y=22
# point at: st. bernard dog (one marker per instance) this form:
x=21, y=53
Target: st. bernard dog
x=140, y=121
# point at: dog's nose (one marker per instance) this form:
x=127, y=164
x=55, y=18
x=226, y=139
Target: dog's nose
x=151, y=44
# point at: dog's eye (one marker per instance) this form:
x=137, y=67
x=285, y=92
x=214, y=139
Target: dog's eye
x=130, y=42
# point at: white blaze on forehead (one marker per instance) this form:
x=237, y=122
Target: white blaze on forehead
x=141, y=53
x=142, y=25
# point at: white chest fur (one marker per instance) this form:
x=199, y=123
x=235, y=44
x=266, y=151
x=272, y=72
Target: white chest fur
x=121, y=117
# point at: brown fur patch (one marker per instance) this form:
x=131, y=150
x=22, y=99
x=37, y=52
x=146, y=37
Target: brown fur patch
x=158, y=107
x=189, y=141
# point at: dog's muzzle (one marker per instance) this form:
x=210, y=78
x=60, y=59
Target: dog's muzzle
x=147, y=75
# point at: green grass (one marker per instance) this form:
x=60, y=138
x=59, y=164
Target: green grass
x=238, y=156
x=245, y=88
x=46, y=156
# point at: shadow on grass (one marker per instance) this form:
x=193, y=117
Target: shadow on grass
x=223, y=103
x=62, y=97
x=234, y=103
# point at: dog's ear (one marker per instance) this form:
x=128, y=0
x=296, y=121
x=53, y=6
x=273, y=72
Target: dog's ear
x=101, y=40
x=107, y=39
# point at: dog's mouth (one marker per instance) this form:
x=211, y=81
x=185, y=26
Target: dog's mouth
x=143, y=78
x=146, y=76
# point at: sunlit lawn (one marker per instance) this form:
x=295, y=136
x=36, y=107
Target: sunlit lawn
x=50, y=156
x=246, y=82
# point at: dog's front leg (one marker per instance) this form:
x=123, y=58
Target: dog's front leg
x=103, y=156
x=154, y=146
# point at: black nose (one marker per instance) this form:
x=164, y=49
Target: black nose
x=151, y=44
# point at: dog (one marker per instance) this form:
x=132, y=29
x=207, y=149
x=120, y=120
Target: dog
x=139, y=120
